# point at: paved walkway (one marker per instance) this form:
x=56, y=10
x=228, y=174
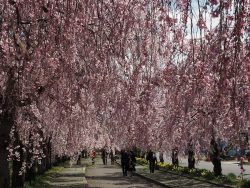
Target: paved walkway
x=70, y=177
x=110, y=176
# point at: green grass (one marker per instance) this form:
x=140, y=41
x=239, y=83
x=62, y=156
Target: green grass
x=201, y=174
x=245, y=184
x=43, y=180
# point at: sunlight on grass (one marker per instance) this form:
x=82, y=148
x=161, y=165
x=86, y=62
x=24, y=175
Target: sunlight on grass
x=199, y=174
x=43, y=180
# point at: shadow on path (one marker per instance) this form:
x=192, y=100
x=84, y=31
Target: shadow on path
x=110, y=176
x=70, y=177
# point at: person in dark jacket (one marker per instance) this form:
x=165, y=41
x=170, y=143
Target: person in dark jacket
x=151, y=157
x=124, y=162
x=112, y=157
x=132, y=162
x=104, y=156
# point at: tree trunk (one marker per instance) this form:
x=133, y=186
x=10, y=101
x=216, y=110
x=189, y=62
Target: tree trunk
x=45, y=162
x=191, y=162
x=4, y=164
x=31, y=174
x=6, y=122
x=217, y=167
x=48, y=155
x=216, y=157
x=191, y=158
x=18, y=179
x=42, y=167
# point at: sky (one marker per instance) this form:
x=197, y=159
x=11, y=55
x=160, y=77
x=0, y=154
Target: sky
x=211, y=23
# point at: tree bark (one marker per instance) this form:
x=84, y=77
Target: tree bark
x=4, y=164
x=47, y=151
x=42, y=166
x=191, y=160
x=45, y=162
x=6, y=122
x=18, y=179
x=217, y=167
x=31, y=174
x=216, y=158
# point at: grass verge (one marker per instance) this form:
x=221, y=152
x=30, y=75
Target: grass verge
x=42, y=181
x=200, y=174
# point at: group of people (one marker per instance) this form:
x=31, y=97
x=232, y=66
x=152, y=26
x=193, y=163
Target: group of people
x=128, y=161
x=104, y=156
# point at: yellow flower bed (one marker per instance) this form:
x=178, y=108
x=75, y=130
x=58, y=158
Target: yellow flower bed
x=163, y=165
x=141, y=161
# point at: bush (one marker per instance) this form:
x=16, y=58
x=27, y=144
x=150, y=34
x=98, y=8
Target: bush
x=209, y=175
x=245, y=184
x=185, y=170
x=232, y=176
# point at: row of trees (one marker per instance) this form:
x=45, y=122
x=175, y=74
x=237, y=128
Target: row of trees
x=151, y=74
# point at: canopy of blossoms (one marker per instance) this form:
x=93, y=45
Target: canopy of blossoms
x=122, y=73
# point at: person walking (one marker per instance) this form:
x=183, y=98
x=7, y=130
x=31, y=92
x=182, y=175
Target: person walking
x=151, y=157
x=124, y=162
x=112, y=158
x=78, y=162
x=132, y=162
x=93, y=156
x=104, y=157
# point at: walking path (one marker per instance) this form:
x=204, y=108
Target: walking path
x=72, y=176
x=110, y=176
